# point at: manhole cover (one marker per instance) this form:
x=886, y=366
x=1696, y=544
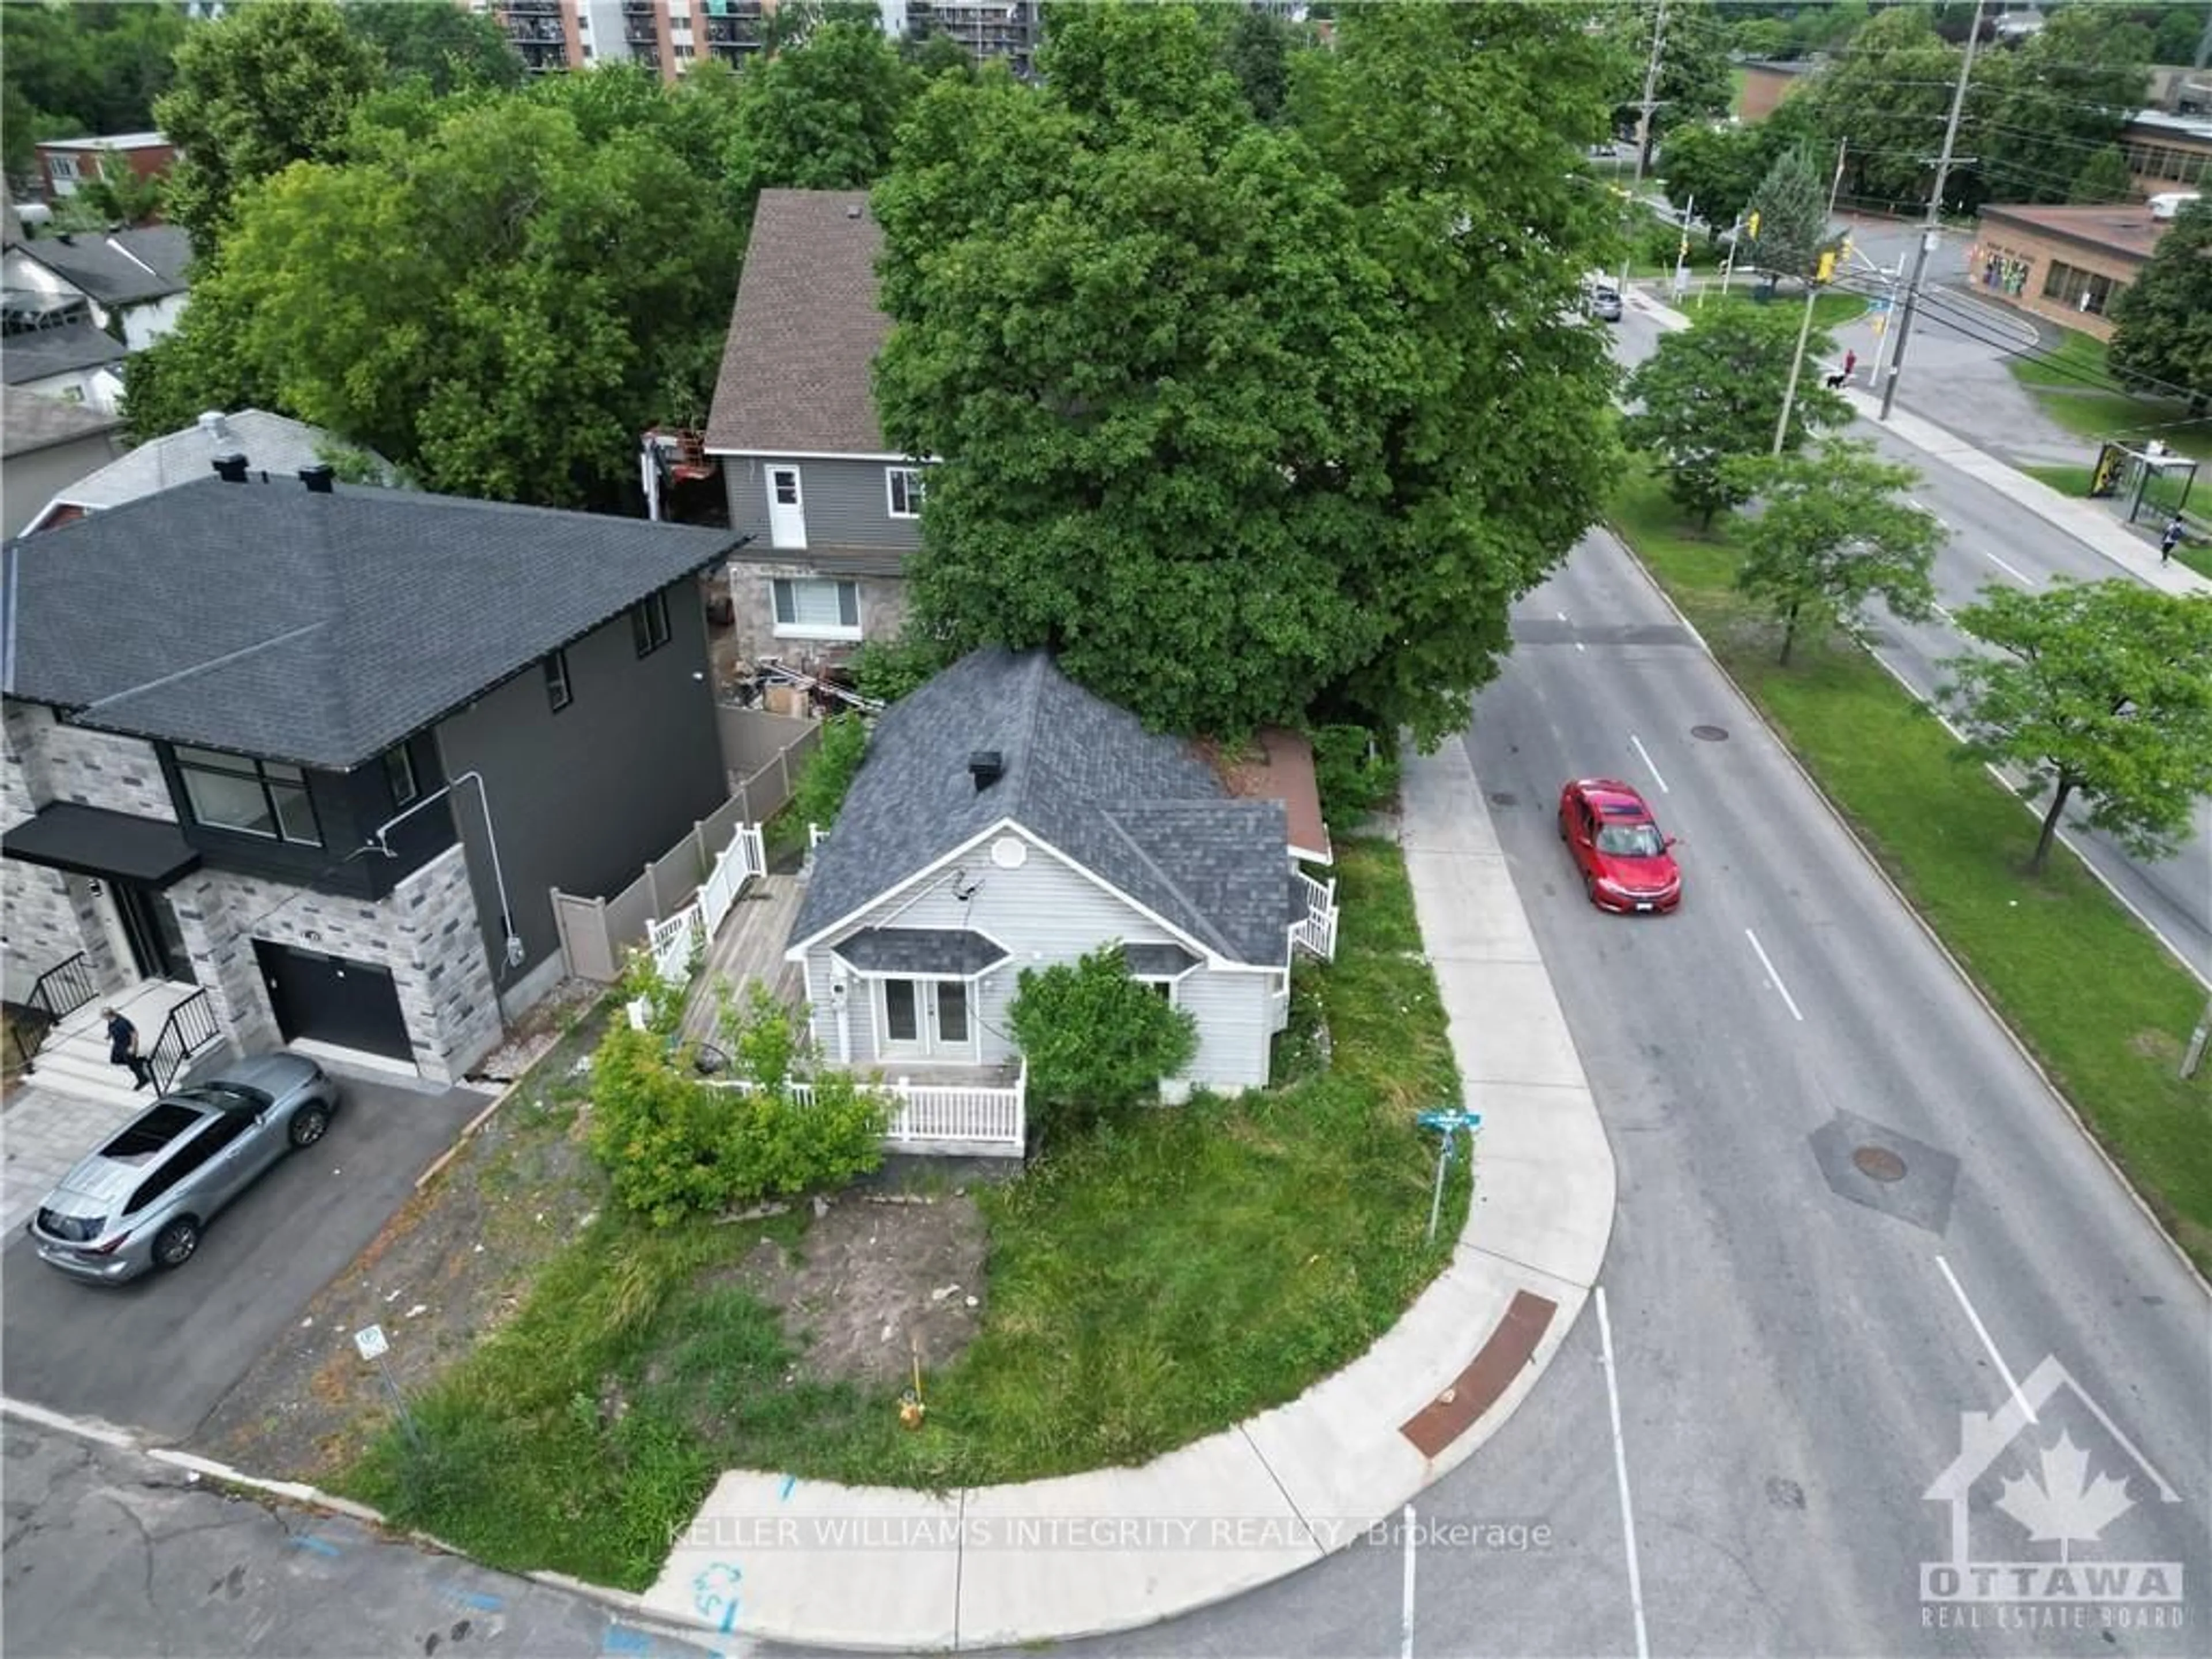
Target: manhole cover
x=1878, y=1164
x=1710, y=733
x=1502, y=797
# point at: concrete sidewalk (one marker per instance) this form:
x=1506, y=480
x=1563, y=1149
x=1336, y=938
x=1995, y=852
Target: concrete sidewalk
x=2085, y=522
x=773, y=1557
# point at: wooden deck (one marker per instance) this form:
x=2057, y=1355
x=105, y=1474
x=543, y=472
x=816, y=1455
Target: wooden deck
x=748, y=946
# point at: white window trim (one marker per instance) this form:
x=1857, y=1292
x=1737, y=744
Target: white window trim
x=919, y=487
x=797, y=631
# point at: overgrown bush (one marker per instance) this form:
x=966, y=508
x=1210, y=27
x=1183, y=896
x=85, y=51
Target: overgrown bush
x=1355, y=773
x=828, y=771
x=1097, y=1042
x=677, y=1147
x=887, y=669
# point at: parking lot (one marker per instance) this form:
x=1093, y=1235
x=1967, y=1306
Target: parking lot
x=160, y=1353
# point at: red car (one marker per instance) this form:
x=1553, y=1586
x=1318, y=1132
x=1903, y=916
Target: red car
x=1625, y=862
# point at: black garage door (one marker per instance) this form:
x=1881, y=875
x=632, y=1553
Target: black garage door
x=348, y=1005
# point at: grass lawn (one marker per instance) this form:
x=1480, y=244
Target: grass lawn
x=2098, y=1002
x=1148, y=1284
x=2078, y=363
x=2076, y=388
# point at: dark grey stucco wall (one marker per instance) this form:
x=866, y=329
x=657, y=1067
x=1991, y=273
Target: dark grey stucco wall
x=846, y=503
x=581, y=799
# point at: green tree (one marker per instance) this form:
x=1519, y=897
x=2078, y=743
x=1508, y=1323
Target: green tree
x=1256, y=47
x=1834, y=533
x=1792, y=205
x=827, y=774
x=1716, y=169
x=499, y=307
x=201, y=364
x=1709, y=399
x=1162, y=346
x=83, y=70
x=932, y=52
x=821, y=115
x=2162, y=321
x=445, y=45
x=2101, y=690
x=1097, y=1042
x=1695, y=83
x=2062, y=96
x=2103, y=180
x=258, y=88
x=1889, y=96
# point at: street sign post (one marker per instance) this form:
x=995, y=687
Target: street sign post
x=1447, y=1120
x=373, y=1345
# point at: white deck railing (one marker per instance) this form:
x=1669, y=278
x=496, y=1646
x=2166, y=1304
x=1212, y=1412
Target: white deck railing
x=981, y=1114
x=1316, y=932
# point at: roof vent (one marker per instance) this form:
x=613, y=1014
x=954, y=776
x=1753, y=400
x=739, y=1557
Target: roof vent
x=986, y=767
x=317, y=478
x=852, y=212
x=231, y=468
x=216, y=425
x=2167, y=203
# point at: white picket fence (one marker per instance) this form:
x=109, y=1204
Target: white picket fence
x=677, y=939
x=981, y=1116
x=1316, y=931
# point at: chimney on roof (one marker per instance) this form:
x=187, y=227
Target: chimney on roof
x=986, y=767
x=231, y=468
x=317, y=478
x=216, y=425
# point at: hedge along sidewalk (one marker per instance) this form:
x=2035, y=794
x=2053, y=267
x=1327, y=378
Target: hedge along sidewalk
x=1152, y=1282
x=775, y=1557
x=2092, y=996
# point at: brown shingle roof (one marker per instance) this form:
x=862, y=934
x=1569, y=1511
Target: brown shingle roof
x=805, y=328
x=2127, y=231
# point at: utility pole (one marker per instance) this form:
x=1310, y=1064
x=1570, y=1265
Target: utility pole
x=2204, y=41
x=1812, y=295
x=1933, y=233
x=1644, y=133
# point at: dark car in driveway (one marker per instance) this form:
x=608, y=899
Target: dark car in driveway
x=142, y=1201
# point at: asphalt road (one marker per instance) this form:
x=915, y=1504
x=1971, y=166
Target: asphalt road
x=1993, y=540
x=109, y=1553
x=159, y=1353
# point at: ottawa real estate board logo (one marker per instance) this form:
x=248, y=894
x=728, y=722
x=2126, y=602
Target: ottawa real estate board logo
x=2038, y=1483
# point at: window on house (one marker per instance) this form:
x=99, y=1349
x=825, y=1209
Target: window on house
x=1162, y=989
x=558, y=691
x=399, y=773
x=2084, y=290
x=253, y=797
x=649, y=623
x=817, y=608
x=907, y=489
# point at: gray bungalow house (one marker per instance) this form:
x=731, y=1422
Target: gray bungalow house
x=833, y=511
x=287, y=761
x=1006, y=818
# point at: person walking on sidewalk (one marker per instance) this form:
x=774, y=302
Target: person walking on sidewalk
x=122, y=1048
x=2170, y=540
x=1842, y=377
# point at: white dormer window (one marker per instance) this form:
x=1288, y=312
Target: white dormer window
x=906, y=488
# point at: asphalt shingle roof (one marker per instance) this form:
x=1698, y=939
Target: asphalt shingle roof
x=44, y=352
x=29, y=422
x=275, y=444
x=318, y=630
x=1137, y=809
x=796, y=368
x=121, y=267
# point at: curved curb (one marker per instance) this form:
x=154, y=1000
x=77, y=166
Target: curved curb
x=771, y=1556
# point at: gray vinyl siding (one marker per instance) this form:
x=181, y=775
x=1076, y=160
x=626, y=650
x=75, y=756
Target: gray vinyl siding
x=1236, y=1020
x=846, y=503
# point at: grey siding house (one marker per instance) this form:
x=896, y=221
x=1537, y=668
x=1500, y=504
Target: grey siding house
x=1006, y=818
x=833, y=512
x=312, y=757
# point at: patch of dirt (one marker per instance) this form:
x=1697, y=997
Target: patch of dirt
x=531, y=1038
x=876, y=1273
x=453, y=1265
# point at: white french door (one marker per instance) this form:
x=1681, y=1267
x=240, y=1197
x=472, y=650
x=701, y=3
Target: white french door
x=925, y=1019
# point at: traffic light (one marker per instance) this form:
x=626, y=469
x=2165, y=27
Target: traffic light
x=1827, y=271
x=1751, y=226
x=1683, y=252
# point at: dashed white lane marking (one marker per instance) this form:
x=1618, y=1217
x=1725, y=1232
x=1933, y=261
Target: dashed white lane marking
x=1983, y=1332
x=1646, y=756
x=1620, y=1473
x=1579, y=646
x=1767, y=963
x=1405, y=1626
x=2010, y=570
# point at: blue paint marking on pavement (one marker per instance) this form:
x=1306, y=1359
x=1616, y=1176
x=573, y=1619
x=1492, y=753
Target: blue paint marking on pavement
x=714, y=1593
x=789, y=1481
x=476, y=1599
x=309, y=1541
x=622, y=1639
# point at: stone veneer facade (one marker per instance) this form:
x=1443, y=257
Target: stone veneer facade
x=425, y=931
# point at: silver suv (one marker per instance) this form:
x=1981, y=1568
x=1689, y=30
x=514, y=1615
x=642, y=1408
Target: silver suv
x=140, y=1201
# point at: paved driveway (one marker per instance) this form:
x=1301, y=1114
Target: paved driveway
x=160, y=1353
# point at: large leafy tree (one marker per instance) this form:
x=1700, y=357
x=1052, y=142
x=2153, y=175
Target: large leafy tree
x=2162, y=323
x=1715, y=169
x=1888, y=96
x=81, y=71
x=2061, y=97
x=499, y=306
x=1709, y=399
x=1694, y=85
x=821, y=115
x=2100, y=691
x=257, y=89
x=447, y=45
x=1206, y=390
x=1792, y=205
x=1833, y=534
